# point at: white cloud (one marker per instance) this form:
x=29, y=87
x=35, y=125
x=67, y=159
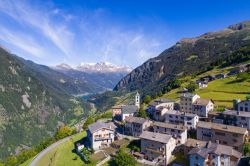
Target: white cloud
x=41, y=20
x=22, y=41
x=74, y=37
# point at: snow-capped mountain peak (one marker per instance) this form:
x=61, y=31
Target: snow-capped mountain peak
x=102, y=67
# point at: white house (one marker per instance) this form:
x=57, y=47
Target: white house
x=201, y=107
x=187, y=119
x=100, y=135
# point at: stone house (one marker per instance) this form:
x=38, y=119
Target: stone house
x=135, y=125
x=157, y=147
x=222, y=134
x=187, y=119
x=178, y=132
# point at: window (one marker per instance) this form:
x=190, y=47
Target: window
x=246, y=109
x=172, y=130
x=225, y=142
x=235, y=140
x=219, y=133
x=241, y=108
x=196, y=157
x=243, y=118
x=235, y=135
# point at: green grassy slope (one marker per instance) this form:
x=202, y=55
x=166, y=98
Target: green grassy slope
x=62, y=155
x=222, y=91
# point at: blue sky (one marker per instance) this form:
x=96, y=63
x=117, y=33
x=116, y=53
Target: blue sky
x=123, y=32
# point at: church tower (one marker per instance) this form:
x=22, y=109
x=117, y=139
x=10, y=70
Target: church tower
x=137, y=99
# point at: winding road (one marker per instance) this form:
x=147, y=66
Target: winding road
x=42, y=153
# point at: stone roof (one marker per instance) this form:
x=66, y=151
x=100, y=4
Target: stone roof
x=157, y=137
x=139, y=120
x=160, y=101
x=99, y=125
x=222, y=127
x=214, y=148
x=170, y=125
x=188, y=95
x=236, y=113
x=201, y=101
x=175, y=112
x=129, y=109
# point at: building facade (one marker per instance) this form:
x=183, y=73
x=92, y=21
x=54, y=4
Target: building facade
x=135, y=126
x=244, y=106
x=116, y=112
x=202, y=107
x=234, y=118
x=157, y=147
x=100, y=135
x=159, y=107
x=186, y=102
x=178, y=132
x=222, y=134
x=187, y=119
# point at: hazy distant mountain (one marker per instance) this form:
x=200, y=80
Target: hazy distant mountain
x=188, y=56
x=103, y=75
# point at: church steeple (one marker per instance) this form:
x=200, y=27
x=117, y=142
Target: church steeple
x=137, y=99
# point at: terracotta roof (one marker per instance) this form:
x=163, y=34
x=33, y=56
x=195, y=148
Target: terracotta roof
x=99, y=125
x=194, y=142
x=132, y=119
x=170, y=125
x=201, y=101
x=157, y=137
x=222, y=127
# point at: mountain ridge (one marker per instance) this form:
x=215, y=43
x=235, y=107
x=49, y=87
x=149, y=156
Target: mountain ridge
x=31, y=104
x=187, y=56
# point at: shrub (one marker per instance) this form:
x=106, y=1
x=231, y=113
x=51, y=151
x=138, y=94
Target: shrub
x=63, y=132
x=124, y=159
x=192, y=87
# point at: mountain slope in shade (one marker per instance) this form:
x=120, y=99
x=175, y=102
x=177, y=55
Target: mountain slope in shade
x=188, y=56
x=103, y=75
x=32, y=103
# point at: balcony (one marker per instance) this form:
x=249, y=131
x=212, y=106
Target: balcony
x=161, y=152
x=102, y=138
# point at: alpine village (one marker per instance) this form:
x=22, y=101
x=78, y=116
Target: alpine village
x=188, y=106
